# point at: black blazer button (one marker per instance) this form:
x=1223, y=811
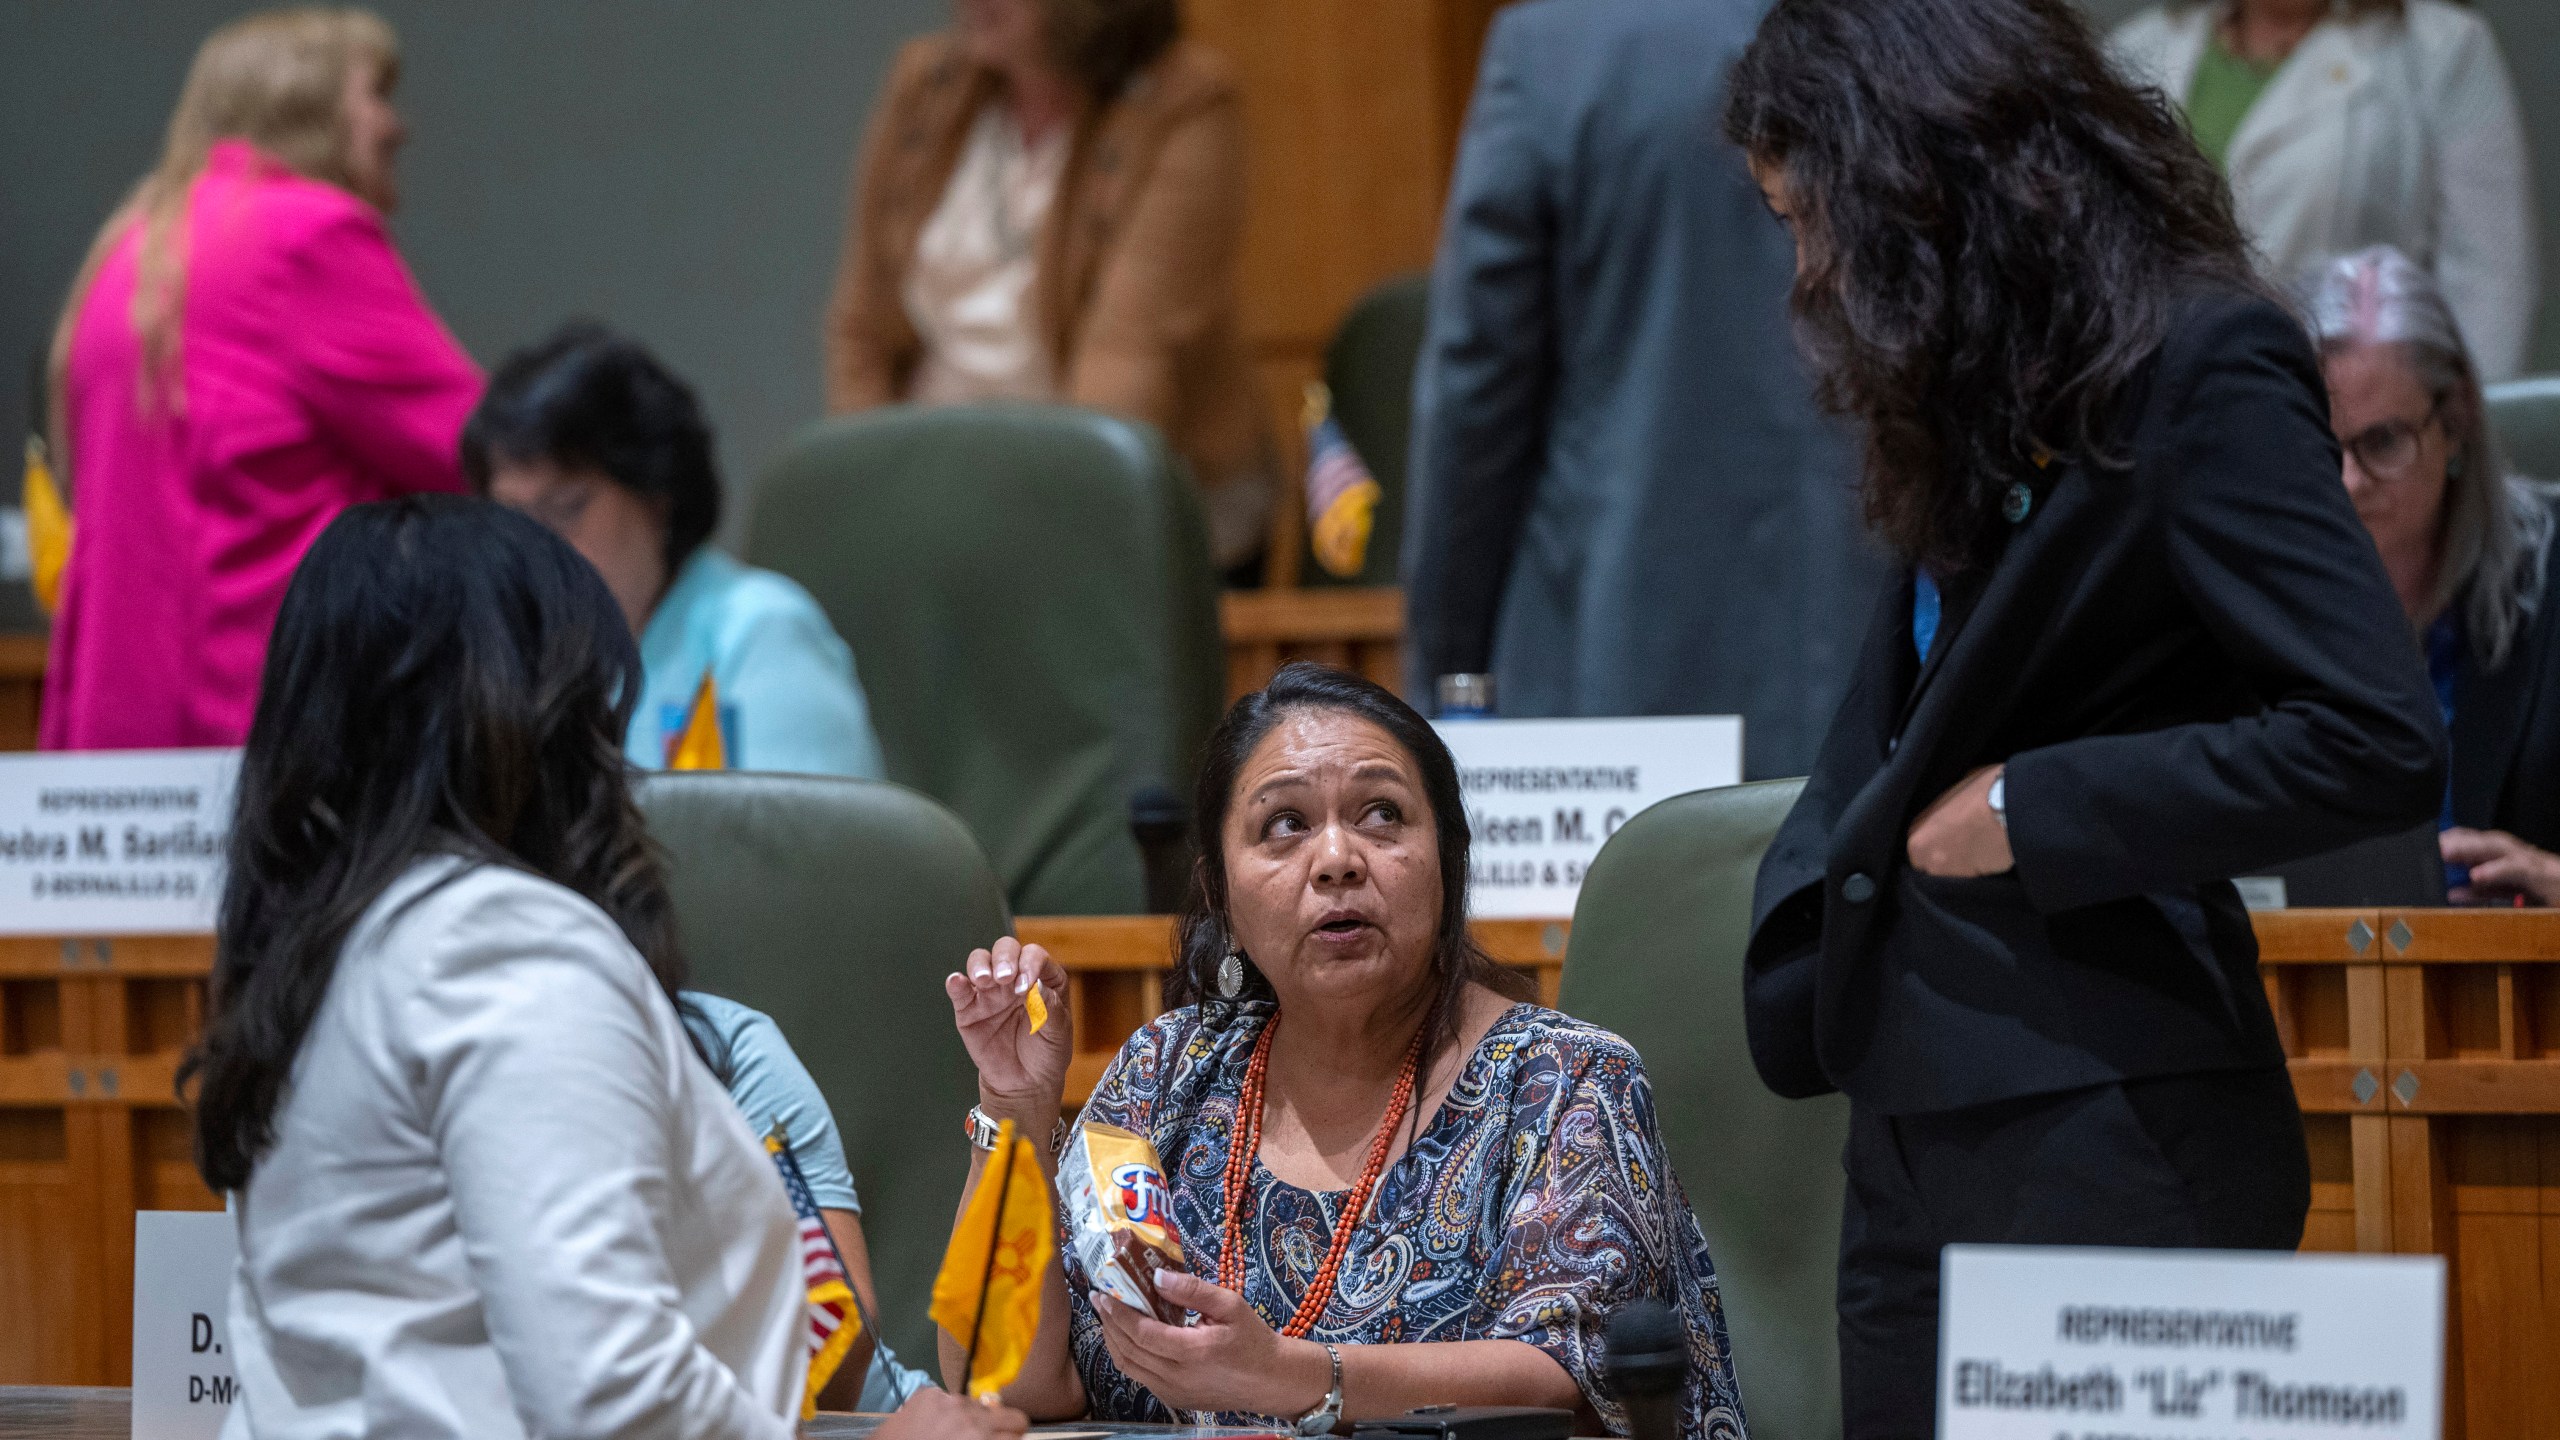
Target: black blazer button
x=1857, y=889
x=2015, y=504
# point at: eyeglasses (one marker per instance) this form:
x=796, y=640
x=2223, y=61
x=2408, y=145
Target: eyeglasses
x=2389, y=450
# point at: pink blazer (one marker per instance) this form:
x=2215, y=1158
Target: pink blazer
x=312, y=376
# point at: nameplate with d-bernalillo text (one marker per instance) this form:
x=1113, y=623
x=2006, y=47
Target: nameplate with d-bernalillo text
x=2093, y=1344
x=182, y=1378
x=113, y=842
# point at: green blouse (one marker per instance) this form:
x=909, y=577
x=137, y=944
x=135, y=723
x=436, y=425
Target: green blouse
x=2219, y=97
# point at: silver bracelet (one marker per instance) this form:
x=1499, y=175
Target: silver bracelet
x=1322, y=1419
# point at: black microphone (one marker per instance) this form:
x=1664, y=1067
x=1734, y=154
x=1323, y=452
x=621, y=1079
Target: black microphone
x=1648, y=1365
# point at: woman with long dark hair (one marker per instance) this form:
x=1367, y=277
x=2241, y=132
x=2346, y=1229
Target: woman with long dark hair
x=1396, y=1182
x=484, y=1186
x=2141, y=644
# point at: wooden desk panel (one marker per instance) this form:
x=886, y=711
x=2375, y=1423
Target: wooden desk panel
x=90, y=1131
x=1358, y=629
x=2424, y=1045
x=21, y=688
x=80, y=1413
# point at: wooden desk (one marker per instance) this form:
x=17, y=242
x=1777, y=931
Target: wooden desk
x=44, y=1412
x=21, y=688
x=1359, y=629
x=2425, y=1048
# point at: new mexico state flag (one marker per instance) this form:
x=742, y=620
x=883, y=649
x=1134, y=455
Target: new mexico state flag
x=701, y=746
x=988, y=1295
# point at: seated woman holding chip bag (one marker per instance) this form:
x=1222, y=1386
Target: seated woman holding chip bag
x=1414, y=1156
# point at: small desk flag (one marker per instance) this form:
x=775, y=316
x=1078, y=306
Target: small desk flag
x=1342, y=496
x=988, y=1294
x=48, y=525
x=699, y=746
x=835, y=1312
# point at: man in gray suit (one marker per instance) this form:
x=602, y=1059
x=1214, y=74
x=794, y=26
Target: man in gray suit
x=1622, y=499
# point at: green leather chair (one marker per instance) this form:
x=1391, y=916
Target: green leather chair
x=1029, y=598
x=2526, y=415
x=1369, y=369
x=1658, y=937
x=836, y=907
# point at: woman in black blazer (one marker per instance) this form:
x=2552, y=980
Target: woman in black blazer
x=2466, y=546
x=2141, y=644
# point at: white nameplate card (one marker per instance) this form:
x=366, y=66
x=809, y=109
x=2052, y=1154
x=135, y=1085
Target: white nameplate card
x=1544, y=795
x=182, y=1264
x=113, y=842
x=2188, y=1345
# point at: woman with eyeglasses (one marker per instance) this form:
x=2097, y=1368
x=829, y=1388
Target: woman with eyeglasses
x=2464, y=543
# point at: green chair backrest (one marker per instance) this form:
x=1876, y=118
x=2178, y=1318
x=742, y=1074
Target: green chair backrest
x=836, y=907
x=1658, y=937
x=1029, y=598
x=1369, y=369
x=2526, y=415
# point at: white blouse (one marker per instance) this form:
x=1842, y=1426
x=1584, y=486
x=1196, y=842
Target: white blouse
x=970, y=292
x=506, y=1199
x=2379, y=129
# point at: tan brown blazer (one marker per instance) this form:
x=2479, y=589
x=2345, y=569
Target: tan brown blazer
x=1137, y=262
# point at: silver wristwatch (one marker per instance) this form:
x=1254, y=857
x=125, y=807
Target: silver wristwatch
x=1322, y=1419
x=1998, y=798
x=983, y=1131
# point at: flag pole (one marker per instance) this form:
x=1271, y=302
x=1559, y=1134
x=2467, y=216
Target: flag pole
x=861, y=1316
x=995, y=1235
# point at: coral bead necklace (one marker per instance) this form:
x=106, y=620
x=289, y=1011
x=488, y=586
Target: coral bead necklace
x=1246, y=1143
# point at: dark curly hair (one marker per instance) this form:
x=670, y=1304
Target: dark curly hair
x=445, y=677
x=1996, y=231
x=1206, y=937
x=588, y=398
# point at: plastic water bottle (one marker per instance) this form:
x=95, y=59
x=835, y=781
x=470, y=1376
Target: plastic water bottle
x=1466, y=697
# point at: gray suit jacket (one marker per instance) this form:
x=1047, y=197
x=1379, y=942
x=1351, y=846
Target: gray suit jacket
x=1622, y=500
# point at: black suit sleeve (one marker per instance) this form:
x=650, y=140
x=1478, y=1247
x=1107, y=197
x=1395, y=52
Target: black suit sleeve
x=1481, y=390
x=2261, y=540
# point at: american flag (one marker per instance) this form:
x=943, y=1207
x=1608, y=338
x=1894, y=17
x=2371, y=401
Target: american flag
x=835, y=1313
x=1342, y=496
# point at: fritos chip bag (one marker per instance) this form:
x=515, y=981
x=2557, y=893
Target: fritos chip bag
x=1120, y=1216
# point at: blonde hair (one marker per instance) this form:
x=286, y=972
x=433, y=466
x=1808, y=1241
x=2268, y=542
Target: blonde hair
x=277, y=79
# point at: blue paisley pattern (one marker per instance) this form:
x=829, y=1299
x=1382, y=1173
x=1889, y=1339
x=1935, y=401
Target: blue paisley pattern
x=1538, y=1201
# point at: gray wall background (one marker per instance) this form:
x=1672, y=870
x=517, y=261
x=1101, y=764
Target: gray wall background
x=678, y=170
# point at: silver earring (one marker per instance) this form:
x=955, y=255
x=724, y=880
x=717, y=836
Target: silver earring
x=1231, y=975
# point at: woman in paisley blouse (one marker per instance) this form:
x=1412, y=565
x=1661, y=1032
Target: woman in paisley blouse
x=1420, y=1157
